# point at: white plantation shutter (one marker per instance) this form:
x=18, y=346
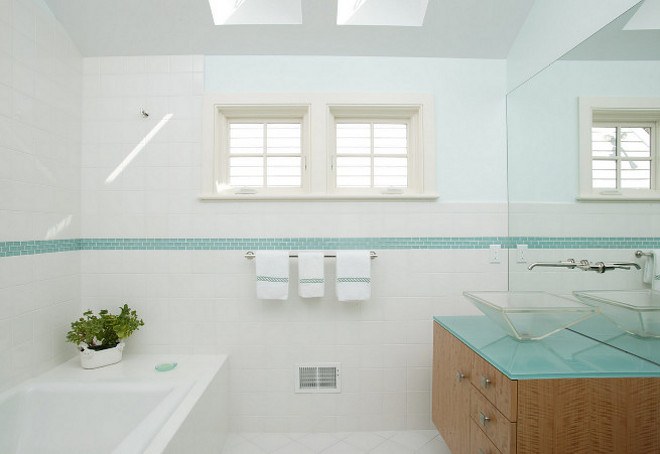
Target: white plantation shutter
x=371, y=154
x=622, y=156
x=354, y=146
x=265, y=154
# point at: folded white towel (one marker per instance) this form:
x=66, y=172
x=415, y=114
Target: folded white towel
x=651, y=273
x=272, y=270
x=353, y=275
x=649, y=264
x=311, y=279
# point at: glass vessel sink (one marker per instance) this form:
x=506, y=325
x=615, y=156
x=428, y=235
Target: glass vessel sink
x=635, y=311
x=530, y=315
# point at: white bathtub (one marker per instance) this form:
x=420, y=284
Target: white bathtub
x=125, y=408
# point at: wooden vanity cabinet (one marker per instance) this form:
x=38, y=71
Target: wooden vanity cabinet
x=478, y=410
x=452, y=365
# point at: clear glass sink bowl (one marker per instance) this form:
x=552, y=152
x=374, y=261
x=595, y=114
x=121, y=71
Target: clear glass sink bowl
x=635, y=311
x=530, y=315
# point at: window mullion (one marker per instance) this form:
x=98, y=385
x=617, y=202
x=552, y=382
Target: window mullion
x=618, y=157
x=654, y=149
x=264, y=178
x=371, y=154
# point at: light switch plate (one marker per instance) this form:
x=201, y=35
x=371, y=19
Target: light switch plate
x=495, y=253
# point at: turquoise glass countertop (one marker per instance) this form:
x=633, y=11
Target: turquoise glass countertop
x=565, y=354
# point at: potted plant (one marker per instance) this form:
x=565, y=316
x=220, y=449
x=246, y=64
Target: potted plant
x=100, y=337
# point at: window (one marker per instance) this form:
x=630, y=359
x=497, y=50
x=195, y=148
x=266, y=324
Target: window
x=260, y=149
x=318, y=147
x=371, y=155
x=267, y=154
x=622, y=155
x=618, y=148
x=375, y=150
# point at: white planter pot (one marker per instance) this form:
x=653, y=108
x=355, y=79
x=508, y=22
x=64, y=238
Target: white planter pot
x=91, y=359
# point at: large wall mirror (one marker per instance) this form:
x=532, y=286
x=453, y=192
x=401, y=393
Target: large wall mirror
x=615, y=71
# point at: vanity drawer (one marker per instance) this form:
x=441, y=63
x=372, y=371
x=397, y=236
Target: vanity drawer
x=496, y=387
x=494, y=424
x=479, y=442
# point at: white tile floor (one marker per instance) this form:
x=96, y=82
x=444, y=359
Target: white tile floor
x=396, y=442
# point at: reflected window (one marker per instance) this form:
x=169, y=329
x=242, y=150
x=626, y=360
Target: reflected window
x=622, y=156
x=619, y=148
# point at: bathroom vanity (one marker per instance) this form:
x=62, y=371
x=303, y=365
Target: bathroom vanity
x=567, y=393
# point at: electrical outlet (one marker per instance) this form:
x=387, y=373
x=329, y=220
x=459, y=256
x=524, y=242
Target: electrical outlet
x=495, y=253
x=522, y=253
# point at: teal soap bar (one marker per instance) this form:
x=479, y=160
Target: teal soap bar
x=164, y=367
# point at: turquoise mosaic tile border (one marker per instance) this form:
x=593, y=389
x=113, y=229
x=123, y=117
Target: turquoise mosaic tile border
x=14, y=248
x=289, y=243
x=585, y=242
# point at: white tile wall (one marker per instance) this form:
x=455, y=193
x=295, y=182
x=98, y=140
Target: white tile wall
x=157, y=194
x=565, y=281
x=204, y=301
x=591, y=219
x=40, y=121
x=640, y=219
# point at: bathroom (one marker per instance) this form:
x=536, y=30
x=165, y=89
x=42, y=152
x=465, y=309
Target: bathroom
x=107, y=194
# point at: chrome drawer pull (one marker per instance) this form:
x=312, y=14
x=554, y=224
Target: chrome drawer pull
x=485, y=382
x=483, y=419
x=459, y=376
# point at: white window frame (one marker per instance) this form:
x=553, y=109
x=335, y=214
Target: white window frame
x=616, y=111
x=318, y=112
x=224, y=114
x=408, y=115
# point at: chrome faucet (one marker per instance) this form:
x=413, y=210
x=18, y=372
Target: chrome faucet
x=586, y=265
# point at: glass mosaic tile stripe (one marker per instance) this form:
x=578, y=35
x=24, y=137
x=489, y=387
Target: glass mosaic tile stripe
x=14, y=248
x=290, y=243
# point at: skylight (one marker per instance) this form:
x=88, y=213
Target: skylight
x=256, y=12
x=647, y=17
x=381, y=12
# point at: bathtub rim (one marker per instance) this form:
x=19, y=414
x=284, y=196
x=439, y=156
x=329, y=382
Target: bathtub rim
x=195, y=372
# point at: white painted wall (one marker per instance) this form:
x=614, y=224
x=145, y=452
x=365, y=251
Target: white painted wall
x=469, y=96
x=543, y=125
x=40, y=96
x=552, y=28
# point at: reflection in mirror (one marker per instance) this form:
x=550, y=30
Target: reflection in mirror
x=601, y=216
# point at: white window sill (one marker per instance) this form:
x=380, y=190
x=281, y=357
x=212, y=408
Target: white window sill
x=329, y=197
x=651, y=197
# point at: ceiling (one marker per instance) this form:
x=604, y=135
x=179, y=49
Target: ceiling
x=452, y=29
x=616, y=42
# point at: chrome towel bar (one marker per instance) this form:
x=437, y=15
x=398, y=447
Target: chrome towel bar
x=640, y=254
x=251, y=254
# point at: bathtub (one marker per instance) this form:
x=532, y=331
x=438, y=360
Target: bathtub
x=124, y=408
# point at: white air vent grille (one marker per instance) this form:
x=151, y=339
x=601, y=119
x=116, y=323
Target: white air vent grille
x=318, y=378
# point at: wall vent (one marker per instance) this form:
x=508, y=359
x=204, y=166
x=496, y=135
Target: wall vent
x=318, y=378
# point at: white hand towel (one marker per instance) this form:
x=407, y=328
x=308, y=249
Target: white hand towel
x=649, y=265
x=353, y=275
x=272, y=270
x=652, y=270
x=311, y=279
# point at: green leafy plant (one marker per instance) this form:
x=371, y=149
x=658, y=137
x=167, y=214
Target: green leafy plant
x=104, y=330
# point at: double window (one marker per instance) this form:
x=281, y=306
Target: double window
x=318, y=146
